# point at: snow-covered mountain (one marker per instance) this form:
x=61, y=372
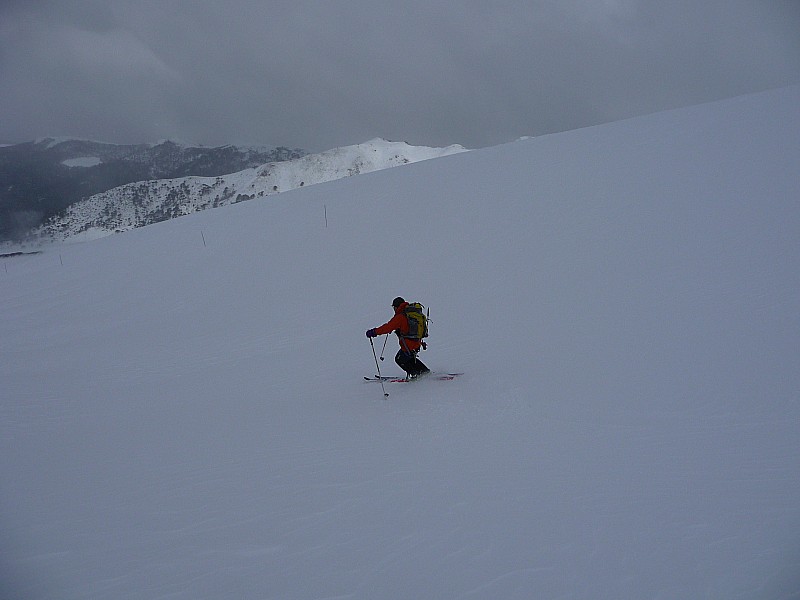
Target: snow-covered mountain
x=183, y=413
x=144, y=203
x=39, y=179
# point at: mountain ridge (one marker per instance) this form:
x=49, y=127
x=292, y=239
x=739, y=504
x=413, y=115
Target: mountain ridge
x=143, y=203
x=41, y=178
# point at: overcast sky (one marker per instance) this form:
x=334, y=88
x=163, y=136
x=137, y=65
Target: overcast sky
x=317, y=75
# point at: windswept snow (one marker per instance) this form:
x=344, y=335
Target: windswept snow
x=184, y=415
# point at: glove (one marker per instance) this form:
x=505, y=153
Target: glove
x=371, y=333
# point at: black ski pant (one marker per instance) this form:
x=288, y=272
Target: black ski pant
x=410, y=363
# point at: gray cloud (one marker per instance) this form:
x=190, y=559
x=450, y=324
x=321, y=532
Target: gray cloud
x=323, y=74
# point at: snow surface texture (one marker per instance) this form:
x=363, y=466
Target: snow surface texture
x=147, y=202
x=190, y=421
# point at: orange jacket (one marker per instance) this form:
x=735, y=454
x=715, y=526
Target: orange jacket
x=399, y=322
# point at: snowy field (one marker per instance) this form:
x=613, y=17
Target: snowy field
x=183, y=414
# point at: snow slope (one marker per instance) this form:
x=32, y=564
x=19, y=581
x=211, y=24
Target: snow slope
x=189, y=420
x=147, y=202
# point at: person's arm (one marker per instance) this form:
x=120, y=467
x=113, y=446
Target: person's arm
x=394, y=323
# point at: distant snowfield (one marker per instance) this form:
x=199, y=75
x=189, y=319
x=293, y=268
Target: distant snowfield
x=83, y=161
x=183, y=411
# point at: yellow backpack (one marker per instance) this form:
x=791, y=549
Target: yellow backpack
x=417, y=321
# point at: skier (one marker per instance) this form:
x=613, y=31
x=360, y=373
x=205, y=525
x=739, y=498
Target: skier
x=406, y=358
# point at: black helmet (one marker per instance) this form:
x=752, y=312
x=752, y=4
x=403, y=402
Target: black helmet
x=397, y=302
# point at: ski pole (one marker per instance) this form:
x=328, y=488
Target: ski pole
x=377, y=366
x=385, y=339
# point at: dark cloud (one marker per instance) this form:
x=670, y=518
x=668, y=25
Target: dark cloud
x=324, y=74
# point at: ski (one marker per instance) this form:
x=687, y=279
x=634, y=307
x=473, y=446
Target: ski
x=432, y=376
